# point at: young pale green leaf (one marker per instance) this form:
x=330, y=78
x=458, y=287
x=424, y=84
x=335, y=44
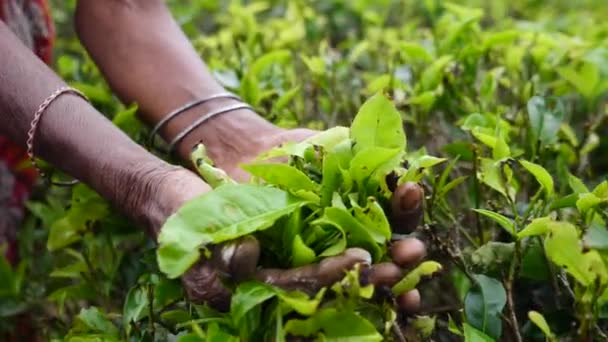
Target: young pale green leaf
x=378, y=124
x=588, y=200
x=585, y=80
x=282, y=175
x=504, y=222
x=485, y=138
x=329, y=138
x=409, y=282
x=483, y=305
x=538, y=226
x=601, y=190
x=371, y=160
x=473, y=335
x=576, y=184
x=300, y=301
x=335, y=161
x=228, y=212
x=563, y=248
x=501, y=149
x=301, y=253
x=542, y=176
x=287, y=149
x=373, y=217
x=491, y=176
x=212, y=175
x=539, y=320
x=358, y=234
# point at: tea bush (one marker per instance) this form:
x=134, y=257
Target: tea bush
x=510, y=98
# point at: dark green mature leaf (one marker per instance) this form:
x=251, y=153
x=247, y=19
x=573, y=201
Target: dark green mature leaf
x=87, y=207
x=335, y=326
x=135, y=306
x=483, y=305
x=544, y=121
x=228, y=212
x=96, y=321
x=247, y=296
x=596, y=237
x=378, y=124
x=301, y=253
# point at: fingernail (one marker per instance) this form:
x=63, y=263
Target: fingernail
x=360, y=254
x=410, y=195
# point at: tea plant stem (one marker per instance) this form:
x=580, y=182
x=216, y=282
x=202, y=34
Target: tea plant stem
x=477, y=197
x=509, y=288
x=151, y=310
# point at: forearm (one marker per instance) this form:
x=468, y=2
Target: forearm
x=71, y=135
x=146, y=58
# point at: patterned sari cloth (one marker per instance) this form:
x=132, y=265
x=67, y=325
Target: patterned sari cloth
x=30, y=20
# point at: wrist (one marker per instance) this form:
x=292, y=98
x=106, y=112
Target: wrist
x=230, y=138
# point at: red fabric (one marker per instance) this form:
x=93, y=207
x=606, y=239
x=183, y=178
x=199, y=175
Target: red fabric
x=31, y=21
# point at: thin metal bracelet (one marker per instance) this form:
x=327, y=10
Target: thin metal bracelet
x=34, y=126
x=180, y=110
x=203, y=119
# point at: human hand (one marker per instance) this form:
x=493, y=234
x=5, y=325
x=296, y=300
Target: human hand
x=238, y=260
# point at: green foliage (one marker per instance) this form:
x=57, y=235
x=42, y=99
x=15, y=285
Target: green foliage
x=509, y=95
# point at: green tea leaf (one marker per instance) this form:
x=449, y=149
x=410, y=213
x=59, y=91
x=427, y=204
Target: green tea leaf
x=563, y=248
x=282, y=175
x=335, y=326
x=409, y=282
x=247, y=296
x=539, y=320
x=473, y=335
x=542, y=176
x=373, y=217
x=504, y=222
x=483, y=305
x=538, y=226
x=301, y=253
x=378, y=124
x=358, y=235
x=228, y=212
x=96, y=321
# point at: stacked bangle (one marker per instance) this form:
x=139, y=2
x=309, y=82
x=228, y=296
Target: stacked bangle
x=182, y=134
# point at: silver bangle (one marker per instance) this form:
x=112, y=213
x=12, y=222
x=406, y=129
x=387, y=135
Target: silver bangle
x=203, y=119
x=180, y=110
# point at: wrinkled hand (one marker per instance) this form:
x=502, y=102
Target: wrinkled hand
x=237, y=260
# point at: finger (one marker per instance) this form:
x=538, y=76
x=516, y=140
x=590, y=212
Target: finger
x=409, y=302
x=312, y=278
x=406, y=207
x=407, y=252
x=383, y=274
x=203, y=284
x=238, y=258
